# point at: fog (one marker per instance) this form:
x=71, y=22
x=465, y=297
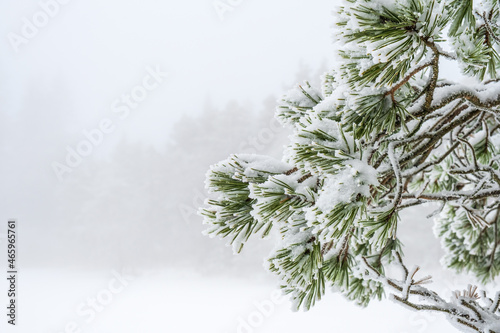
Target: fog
x=111, y=113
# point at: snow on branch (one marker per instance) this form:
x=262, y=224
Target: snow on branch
x=386, y=130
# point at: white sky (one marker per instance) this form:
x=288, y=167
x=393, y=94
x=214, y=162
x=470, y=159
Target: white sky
x=92, y=51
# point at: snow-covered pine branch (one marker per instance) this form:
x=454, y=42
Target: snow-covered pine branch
x=385, y=131
x=468, y=310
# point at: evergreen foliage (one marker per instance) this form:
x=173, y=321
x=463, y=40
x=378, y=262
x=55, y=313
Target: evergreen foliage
x=386, y=131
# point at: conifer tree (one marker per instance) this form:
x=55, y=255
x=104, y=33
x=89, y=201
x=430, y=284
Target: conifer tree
x=385, y=131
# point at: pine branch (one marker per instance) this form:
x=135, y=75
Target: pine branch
x=462, y=309
x=386, y=131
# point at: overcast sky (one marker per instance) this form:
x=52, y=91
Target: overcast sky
x=91, y=52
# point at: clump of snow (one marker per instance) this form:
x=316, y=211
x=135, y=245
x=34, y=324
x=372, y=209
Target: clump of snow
x=331, y=128
x=342, y=188
x=484, y=6
x=356, y=178
x=244, y=167
x=297, y=96
x=296, y=102
x=329, y=106
x=320, y=136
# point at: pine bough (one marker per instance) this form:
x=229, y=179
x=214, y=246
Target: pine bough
x=384, y=132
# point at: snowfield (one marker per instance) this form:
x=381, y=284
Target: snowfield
x=176, y=301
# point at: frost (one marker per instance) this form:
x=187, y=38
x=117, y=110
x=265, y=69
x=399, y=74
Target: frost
x=296, y=102
x=343, y=187
x=384, y=132
x=245, y=167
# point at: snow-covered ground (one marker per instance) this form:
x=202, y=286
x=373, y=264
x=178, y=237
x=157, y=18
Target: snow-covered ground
x=56, y=301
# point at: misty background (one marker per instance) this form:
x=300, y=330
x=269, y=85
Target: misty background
x=130, y=205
